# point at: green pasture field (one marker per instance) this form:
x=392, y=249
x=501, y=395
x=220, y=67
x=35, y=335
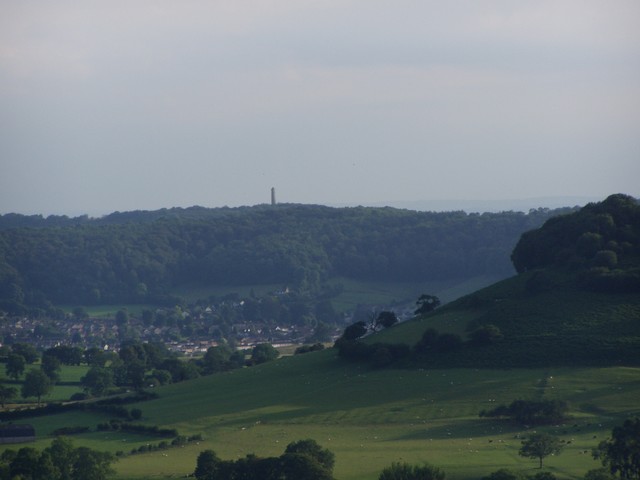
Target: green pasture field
x=368, y=418
x=68, y=384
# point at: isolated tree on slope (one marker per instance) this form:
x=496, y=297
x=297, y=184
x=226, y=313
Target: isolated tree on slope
x=426, y=303
x=386, y=319
x=355, y=331
x=540, y=445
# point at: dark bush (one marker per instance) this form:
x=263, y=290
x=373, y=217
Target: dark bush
x=503, y=474
x=526, y=412
x=309, y=348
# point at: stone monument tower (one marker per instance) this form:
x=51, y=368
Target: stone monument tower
x=273, y=196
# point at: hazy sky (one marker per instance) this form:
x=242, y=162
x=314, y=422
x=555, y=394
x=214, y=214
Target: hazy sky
x=144, y=104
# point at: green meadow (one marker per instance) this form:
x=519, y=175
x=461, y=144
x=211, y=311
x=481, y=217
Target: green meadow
x=68, y=384
x=368, y=418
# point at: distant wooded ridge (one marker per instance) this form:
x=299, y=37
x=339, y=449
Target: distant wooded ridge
x=140, y=256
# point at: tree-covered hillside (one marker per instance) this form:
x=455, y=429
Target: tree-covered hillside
x=600, y=242
x=568, y=306
x=142, y=256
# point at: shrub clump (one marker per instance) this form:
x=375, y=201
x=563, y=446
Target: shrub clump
x=528, y=412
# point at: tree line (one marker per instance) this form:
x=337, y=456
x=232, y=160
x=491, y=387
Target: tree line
x=60, y=461
x=136, y=365
x=140, y=257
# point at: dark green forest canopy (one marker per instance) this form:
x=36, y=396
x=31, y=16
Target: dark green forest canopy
x=601, y=242
x=140, y=256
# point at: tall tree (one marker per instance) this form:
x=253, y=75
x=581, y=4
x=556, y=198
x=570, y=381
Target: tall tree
x=355, y=331
x=426, y=303
x=206, y=465
x=15, y=366
x=386, y=319
x=621, y=453
x=540, y=445
x=24, y=464
x=296, y=466
x=263, y=352
x=36, y=384
x=311, y=448
x=63, y=455
x=46, y=469
x=6, y=394
x=216, y=360
x=97, y=381
x=51, y=367
x=91, y=465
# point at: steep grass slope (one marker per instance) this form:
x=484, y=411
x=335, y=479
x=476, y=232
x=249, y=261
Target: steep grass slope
x=545, y=320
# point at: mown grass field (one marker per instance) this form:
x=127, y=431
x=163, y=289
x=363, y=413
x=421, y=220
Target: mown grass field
x=368, y=418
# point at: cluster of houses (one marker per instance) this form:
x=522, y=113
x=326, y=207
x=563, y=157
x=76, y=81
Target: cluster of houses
x=106, y=333
x=189, y=331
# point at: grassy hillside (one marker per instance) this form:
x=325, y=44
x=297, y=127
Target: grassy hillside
x=545, y=320
x=368, y=418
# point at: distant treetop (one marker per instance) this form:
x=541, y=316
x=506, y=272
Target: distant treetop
x=602, y=237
